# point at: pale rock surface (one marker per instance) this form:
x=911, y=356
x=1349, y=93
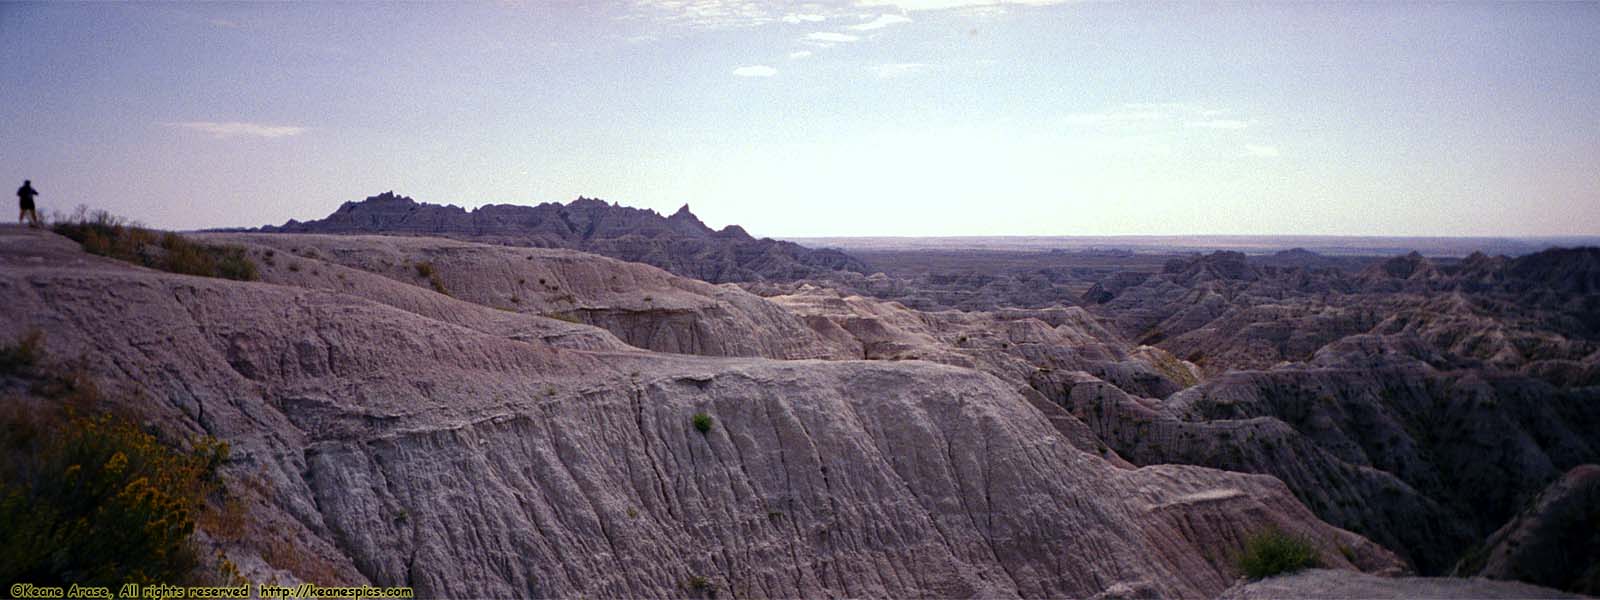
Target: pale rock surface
x=1014, y=344
x=642, y=305
x=1320, y=584
x=403, y=449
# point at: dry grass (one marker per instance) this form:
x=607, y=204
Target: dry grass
x=105, y=234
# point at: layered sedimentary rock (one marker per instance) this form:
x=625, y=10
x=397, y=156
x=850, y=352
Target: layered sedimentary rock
x=679, y=243
x=1554, y=541
x=1426, y=462
x=1416, y=403
x=399, y=448
x=641, y=305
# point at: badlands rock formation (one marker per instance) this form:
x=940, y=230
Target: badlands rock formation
x=1418, y=404
x=1554, y=542
x=679, y=243
x=1321, y=584
x=641, y=305
x=1387, y=421
x=409, y=442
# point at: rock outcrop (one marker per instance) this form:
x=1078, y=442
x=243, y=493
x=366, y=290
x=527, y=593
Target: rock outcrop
x=1554, y=542
x=679, y=243
x=641, y=305
x=398, y=448
x=1323, y=584
x=1392, y=434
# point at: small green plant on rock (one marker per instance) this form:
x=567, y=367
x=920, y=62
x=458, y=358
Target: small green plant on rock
x=1271, y=551
x=702, y=422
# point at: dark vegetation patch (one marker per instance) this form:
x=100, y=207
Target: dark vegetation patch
x=87, y=496
x=427, y=271
x=105, y=234
x=702, y=422
x=1271, y=551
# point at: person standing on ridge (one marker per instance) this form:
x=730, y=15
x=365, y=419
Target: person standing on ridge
x=25, y=196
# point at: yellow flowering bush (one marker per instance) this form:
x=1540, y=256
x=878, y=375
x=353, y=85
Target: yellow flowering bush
x=97, y=501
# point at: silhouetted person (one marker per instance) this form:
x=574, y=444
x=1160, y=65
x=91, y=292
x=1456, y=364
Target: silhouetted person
x=25, y=196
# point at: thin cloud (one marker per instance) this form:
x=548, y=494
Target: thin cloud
x=1123, y=117
x=1147, y=116
x=1173, y=107
x=829, y=37
x=226, y=23
x=755, y=71
x=881, y=22
x=703, y=14
x=1217, y=124
x=1260, y=151
x=794, y=18
x=799, y=54
x=910, y=5
x=892, y=70
x=233, y=129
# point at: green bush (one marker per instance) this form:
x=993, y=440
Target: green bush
x=105, y=234
x=1272, y=552
x=702, y=422
x=97, y=501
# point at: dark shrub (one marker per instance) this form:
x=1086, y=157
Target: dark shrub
x=97, y=501
x=23, y=354
x=1272, y=552
x=702, y=422
x=105, y=234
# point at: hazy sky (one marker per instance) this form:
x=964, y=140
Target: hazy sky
x=875, y=117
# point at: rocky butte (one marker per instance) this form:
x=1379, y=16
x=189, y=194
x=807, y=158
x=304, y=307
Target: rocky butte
x=678, y=243
x=537, y=401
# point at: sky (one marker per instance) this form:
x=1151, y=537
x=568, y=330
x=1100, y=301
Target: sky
x=857, y=117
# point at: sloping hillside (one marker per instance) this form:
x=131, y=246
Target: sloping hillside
x=405, y=449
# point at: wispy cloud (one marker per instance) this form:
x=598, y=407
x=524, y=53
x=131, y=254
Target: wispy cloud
x=794, y=18
x=1261, y=151
x=1174, y=107
x=706, y=14
x=830, y=37
x=1127, y=115
x=1217, y=124
x=957, y=4
x=230, y=129
x=735, y=14
x=755, y=71
x=226, y=23
x=892, y=70
x=881, y=22
x=799, y=54
x=1157, y=115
